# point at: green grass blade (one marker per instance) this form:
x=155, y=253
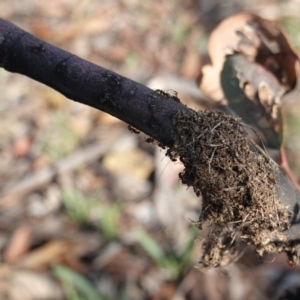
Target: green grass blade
x=70, y=278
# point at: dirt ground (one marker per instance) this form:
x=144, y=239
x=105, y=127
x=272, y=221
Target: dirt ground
x=88, y=209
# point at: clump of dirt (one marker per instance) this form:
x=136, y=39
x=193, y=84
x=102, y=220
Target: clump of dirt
x=235, y=180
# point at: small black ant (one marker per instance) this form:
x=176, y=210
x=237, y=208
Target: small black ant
x=133, y=130
x=167, y=95
x=161, y=92
x=150, y=140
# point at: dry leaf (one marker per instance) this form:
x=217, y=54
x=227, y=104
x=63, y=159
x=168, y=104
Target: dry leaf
x=26, y=285
x=259, y=40
x=21, y=146
x=49, y=254
x=133, y=162
x=18, y=245
x=54, y=99
x=191, y=63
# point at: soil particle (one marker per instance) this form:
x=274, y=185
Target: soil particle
x=236, y=181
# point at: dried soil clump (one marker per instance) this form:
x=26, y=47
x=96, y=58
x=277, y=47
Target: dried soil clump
x=236, y=182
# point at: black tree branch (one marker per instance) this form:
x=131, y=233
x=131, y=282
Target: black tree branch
x=84, y=82
x=87, y=83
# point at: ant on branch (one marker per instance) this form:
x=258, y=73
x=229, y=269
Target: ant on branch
x=150, y=140
x=133, y=130
x=168, y=95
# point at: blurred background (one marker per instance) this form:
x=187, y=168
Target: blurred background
x=89, y=210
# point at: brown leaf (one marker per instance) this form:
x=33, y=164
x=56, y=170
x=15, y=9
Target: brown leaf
x=190, y=64
x=26, y=285
x=18, y=245
x=54, y=99
x=166, y=292
x=22, y=146
x=49, y=254
x=259, y=40
x=132, y=162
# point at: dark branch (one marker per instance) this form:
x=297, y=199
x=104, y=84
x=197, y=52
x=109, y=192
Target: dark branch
x=88, y=83
x=84, y=82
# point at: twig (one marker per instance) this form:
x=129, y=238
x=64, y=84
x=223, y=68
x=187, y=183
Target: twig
x=44, y=176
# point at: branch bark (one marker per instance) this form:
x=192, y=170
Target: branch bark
x=87, y=83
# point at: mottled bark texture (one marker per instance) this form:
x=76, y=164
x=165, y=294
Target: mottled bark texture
x=87, y=83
